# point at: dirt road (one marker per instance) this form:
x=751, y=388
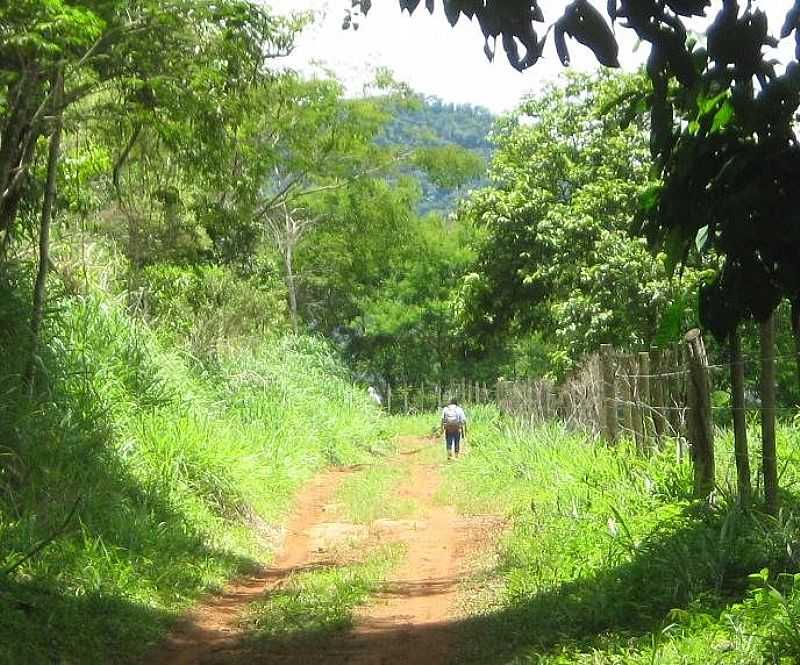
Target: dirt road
x=411, y=621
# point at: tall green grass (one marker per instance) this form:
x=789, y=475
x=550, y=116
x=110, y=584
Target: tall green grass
x=608, y=559
x=182, y=472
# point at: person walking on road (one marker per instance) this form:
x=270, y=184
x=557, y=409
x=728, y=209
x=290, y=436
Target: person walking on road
x=454, y=425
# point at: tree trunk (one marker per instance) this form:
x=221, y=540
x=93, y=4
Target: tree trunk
x=796, y=334
x=700, y=424
x=769, y=456
x=739, y=419
x=17, y=146
x=40, y=288
x=290, y=284
x=134, y=223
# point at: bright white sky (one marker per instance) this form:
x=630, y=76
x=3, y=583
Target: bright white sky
x=434, y=59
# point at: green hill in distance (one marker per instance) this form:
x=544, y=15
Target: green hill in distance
x=438, y=122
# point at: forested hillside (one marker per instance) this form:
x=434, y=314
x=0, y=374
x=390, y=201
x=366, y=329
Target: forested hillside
x=436, y=123
x=180, y=226
x=443, y=122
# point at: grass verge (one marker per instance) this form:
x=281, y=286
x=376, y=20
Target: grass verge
x=371, y=494
x=610, y=561
x=180, y=471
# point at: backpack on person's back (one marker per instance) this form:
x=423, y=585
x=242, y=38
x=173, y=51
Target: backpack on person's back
x=451, y=418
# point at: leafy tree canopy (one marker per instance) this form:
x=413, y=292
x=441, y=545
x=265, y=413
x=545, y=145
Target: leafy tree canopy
x=177, y=66
x=556, y=256
x=721, y=124
x=405, y=329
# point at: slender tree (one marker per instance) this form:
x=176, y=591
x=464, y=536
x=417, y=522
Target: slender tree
x=768, y=452
x=40, y=287
x=795, y=317
x=739, y=419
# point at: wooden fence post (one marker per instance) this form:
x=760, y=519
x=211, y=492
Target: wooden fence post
x=609, y=393
x=627, y=408
x=645, y=402
x=657, y=393
x=674, y=394
x=636, y=408
x=682, y=387
x=768, y=455
x=700, y=423
x=524, y=401
x=389, y=398
x=405, y=399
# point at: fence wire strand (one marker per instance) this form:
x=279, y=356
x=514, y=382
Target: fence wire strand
x=580, y=401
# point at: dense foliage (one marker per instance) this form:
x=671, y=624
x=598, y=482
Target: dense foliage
x=190, y=205
x=555, y=256
x=158, y=457
x=722, y=131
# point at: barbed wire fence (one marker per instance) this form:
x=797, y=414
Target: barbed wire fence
x=644, y=396
x=656, y=398
x=649, y=395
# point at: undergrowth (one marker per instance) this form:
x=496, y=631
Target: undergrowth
x=179, y=472
x=608, y=559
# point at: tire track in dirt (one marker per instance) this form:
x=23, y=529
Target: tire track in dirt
x=412, y=620
x=415, y=619
x=212, y=627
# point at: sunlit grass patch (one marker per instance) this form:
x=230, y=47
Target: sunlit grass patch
x=372, y=493
x=318, y=603
x=609, y=559
x=417, y=425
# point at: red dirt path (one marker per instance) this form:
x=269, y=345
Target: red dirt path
x=411, y=622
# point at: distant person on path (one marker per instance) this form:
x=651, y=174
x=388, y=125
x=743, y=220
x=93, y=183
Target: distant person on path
x=454, y=424
x=375, y=396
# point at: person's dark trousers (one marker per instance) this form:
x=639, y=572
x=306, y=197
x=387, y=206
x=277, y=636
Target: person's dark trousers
x=453, y=440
